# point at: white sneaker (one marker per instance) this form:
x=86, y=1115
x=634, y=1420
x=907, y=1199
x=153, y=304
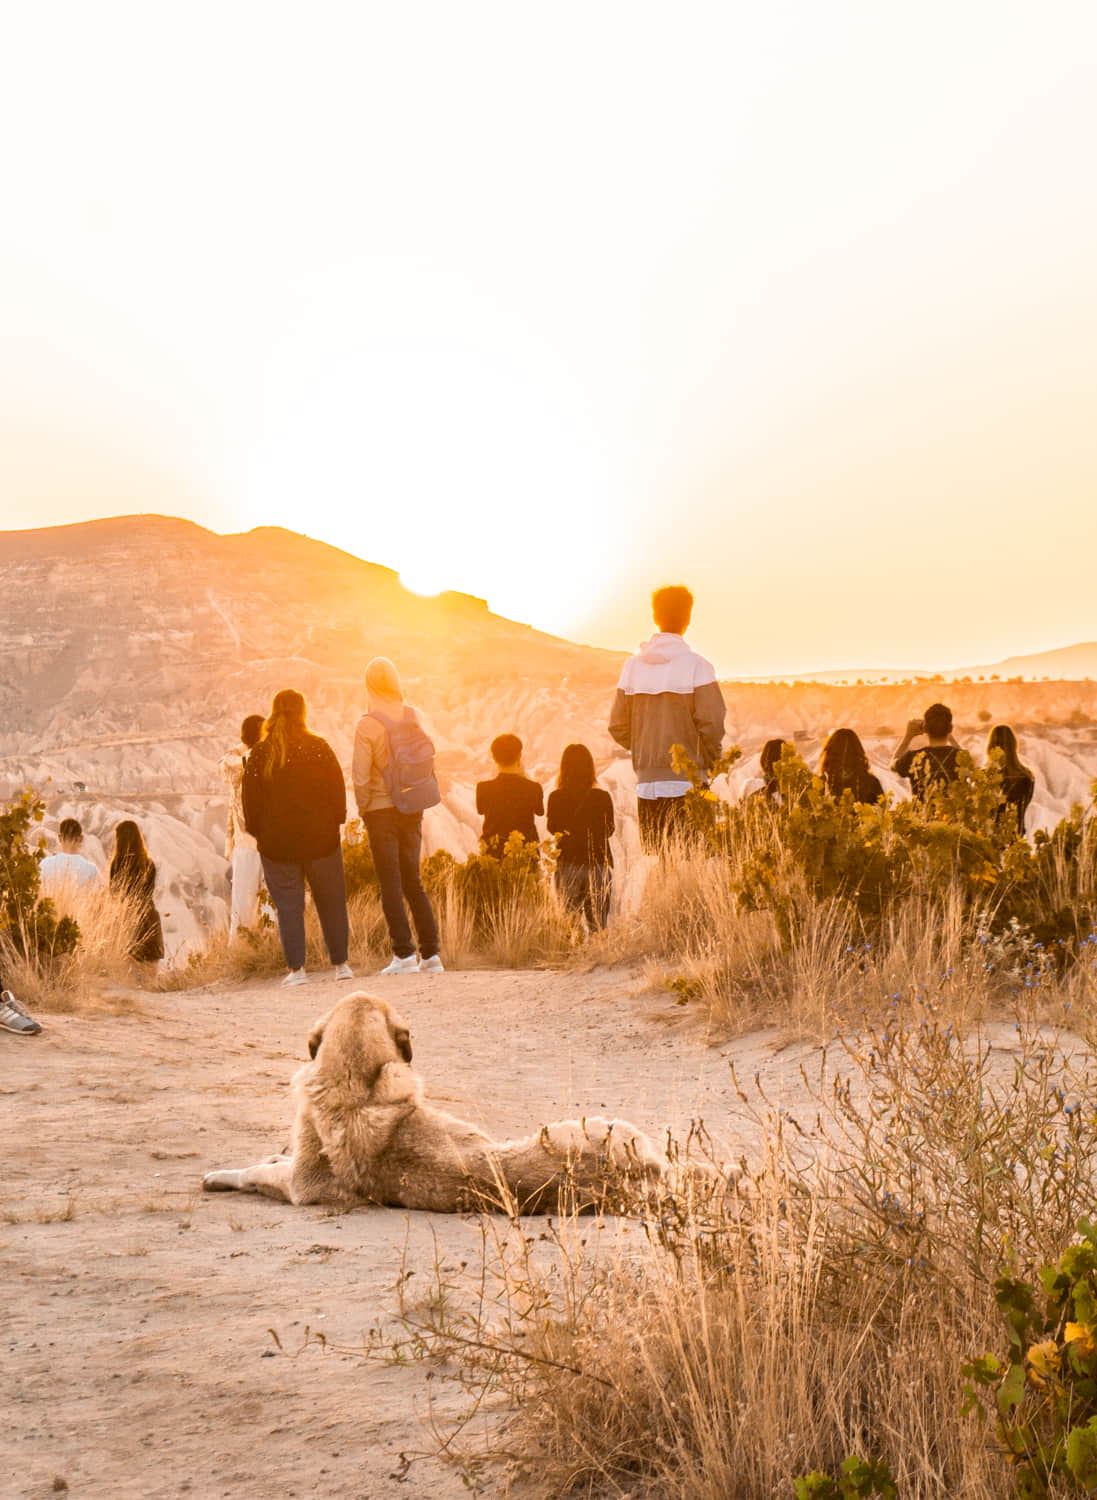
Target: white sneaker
x=431, y=965
x=344, y=971
x=407, y=965
x=295, y=976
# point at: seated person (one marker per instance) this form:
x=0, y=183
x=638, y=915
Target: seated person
x=934, y=763
x=765, y=783
x=1018, y=782
x=69, y=867
x=510, y=801
x=844, y=766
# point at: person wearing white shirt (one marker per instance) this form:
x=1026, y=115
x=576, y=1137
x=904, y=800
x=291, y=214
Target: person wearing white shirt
x=241, y=850
x=68, y=867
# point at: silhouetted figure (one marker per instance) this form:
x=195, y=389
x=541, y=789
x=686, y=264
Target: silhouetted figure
x=844, y=766
x=933, y=764
x=1018, y=782
x=133, y=876
x=395, y=837
x=667, y=695
x=294, y=802
x=511, y=800
x=241, y=850
x=581, y=813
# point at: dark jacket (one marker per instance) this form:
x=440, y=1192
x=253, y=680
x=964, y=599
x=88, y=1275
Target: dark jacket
x=584, y=819
x=295, y=814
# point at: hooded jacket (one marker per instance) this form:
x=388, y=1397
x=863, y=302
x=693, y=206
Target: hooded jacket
x=668, y=695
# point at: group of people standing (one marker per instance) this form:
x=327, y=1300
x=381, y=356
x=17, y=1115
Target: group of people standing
x=287, y=809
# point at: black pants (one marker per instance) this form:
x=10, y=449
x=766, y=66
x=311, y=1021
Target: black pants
x=586, y=889
x=660, y=818
x=286, y=884
x=395, y=839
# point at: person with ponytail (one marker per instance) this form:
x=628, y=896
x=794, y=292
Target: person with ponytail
x=1018, y=782
x=295, y=801
x=580, y=812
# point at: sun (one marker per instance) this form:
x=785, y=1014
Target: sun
x=425, y=576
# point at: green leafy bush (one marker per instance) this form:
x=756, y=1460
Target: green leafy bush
x=860, y=1479
x=29, y=923
x=1045, y=1393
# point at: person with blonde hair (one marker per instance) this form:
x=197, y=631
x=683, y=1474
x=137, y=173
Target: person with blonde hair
x=1018, y=782
x=294, y=803
x=393, y=765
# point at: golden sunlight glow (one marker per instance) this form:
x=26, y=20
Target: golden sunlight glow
x=793, y=305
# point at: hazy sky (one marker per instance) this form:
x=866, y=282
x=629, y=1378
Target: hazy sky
x=795, y=303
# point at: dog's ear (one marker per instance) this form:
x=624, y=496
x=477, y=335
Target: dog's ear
x=316, y=1036
x=402, y=1038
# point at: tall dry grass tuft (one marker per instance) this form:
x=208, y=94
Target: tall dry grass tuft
x=98, y=973
x=828, y=1308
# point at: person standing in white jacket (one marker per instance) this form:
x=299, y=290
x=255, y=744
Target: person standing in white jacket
x=667, y=695
x=241, y=850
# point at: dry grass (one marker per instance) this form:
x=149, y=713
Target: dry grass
x=701, y=1351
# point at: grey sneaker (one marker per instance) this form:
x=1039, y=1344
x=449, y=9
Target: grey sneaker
x=431, y=965
x=344, y=971
x=295, y=976
x=14, y=1018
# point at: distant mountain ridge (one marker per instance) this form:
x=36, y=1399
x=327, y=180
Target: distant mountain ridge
x=1077, y=663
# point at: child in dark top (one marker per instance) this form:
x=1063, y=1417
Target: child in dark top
x=935, y=763
x=510, y=801
x=581, y=813
x=1018, y=782
x=844, y=766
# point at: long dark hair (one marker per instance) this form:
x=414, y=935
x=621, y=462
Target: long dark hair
x=286, y=725
x=1002, y=738
x=131, y=858
x=843, y=762
x=576, y=769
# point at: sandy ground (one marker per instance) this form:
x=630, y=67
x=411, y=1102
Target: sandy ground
x=139, y=1361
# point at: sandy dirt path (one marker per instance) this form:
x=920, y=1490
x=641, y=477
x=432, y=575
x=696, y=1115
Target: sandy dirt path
x=138, y=1358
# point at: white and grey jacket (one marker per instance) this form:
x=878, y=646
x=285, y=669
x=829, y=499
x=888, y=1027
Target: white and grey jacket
x=668, y=695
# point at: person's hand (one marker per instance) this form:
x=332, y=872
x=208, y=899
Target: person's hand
x=915, y=726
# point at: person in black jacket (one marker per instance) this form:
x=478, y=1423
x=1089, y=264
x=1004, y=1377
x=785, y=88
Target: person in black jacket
x=581, y=813
x=295, y=801
x=1018, y=782
x=133, y=876
x=844, y=766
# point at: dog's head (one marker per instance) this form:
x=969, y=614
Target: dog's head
x=363, y=1033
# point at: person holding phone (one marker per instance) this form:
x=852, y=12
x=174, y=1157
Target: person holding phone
x=933, y=763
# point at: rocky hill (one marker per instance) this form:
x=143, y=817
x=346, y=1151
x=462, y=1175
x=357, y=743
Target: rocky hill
x=131, y=648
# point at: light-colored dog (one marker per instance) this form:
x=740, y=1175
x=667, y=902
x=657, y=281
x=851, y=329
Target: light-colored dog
x=362, y=1134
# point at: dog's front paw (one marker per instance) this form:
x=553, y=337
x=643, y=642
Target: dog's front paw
x=219, y=1182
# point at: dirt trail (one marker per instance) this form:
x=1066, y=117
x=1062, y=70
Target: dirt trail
x=139, y=1362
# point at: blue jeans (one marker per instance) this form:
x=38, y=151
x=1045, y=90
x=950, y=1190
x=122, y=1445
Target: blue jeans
x=395, y=839
x=286, y=884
